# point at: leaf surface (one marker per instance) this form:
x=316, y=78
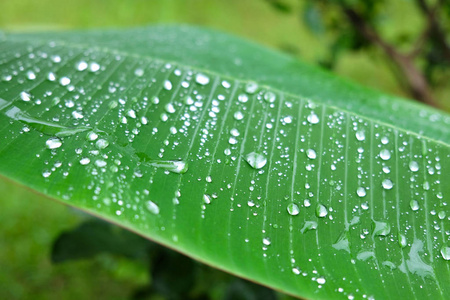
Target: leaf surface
x=235, y=155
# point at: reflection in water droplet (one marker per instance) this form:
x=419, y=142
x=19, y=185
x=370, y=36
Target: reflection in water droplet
x=152, y=207
x=256, y=160
x=53, y=143
x=293, y=209
x=321, y=211
x=381, y=228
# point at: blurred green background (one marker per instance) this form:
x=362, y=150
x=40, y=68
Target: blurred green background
x=30, y=224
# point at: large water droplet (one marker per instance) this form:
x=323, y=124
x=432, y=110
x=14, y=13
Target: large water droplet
x=311, y=154
x=207, y=199
x=102, y=144
x=293, y=209
x=360, y=135
x=402, y=240
x=445, y=252
x=313, y=118
x=256, y=160
x=251, y=87
x=361, y=192
x=152, y=207
x=309, y=225
x=342, y=243
x=25, y=96
x=270, y=97
x=414, y=204
x=266, y=241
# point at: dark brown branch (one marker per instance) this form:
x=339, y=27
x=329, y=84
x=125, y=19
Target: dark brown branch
x=415, y=79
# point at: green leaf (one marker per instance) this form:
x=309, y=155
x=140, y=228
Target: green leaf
x=235, y=155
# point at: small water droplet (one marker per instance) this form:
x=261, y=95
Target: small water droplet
x=64, y=81
x=256, y=160
x=266, y=241
x=361, y=192
x=84, y=161
x=238, y=115
x=414, y=166
x=387, y=184
x=81, y=66
x=414, y=205
x=293, y=209
x=385, y=154
x=360, y=135
x=313, y=118
x=270, y=97
x=94, y=67
x=91, y=136
x=296, y=271
x=321, y=211
x=102, y=144
x=243, y=98
x=152, y=207
x=201, y=79
x=402, y=240
x=167, y=85
x=139, y=72
x=25, y=96
x=251, y=87
x=445, y=252
x=321, y=280
x=53, y=143
x=31, y=75
x=207, y=199
x=311, y=153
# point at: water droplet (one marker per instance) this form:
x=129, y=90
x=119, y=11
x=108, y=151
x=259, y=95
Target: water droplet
x=256, y=160
x=441, y=215
x=51, y=76
x=139, y=72
x=53, y=143
x=414, y=166
x=131, y=113
x=311, y=154
x=309, y=225
x=238, y=115
x=31, y=75
x=100, y=163
x=92, y=136
x=25, y=96
x=360, y=135
x=384, y=140
x=296, y=271
x=402, y=240
x=365, y=255
x=251, y=87
x=385, y=154
x=152, y=207
x=266, y=241
x=321, y=280
x=94, y=67
x=426, y=185
x=167, y=85
x=445, y=252
x=234, y=132
x=227, y=151
x=342, y=243
x=64, y=81
x=84, y=161
x=242, y=98
x=361, y=192
x=207, y=199
x=46, y=173
x=170, y=108
x=202, y=79
x=313, y=118
x=321, y=211
x=270, y=97
x=381, y=228
x=414, y=205
x=293, y=209
x=174, y=166
x=387, y=184
x=82, y=65
x=226, y=84
x=101, y=144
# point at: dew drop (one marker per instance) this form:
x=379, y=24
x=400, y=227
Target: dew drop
x=402, y=240
x=82, y=65
x=25, y=96
x=202, y=79
x=238, y=115
x=243, y=98
x=309, y=225
x=414, y=166
x=321, y=280
x=361, y=192
x=414, y=205
x=91, y=136
x=31, y=75
x=313, y=118
x=251, y=87
x=94, y=67
x=256, y=160
x=311, y=153
x=102, y=144
x=360, y=135
x=321, y=211
x=207, y=199
x=270, y=97
x=46, y=173
x=385, y=154
x=387, y=184
x=167, y=85
x=53, y=143
x=152, y=207
x=445, y=252
x=84, y=161
x=170, y=108
x=266, y=241
x=64, y=81
x=139, y=72
x=293, y=209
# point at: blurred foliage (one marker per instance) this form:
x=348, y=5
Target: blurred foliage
x=171, y=275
